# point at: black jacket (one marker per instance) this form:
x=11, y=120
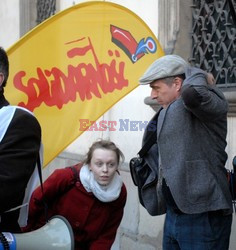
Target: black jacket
x=19, y=150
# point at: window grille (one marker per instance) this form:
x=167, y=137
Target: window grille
x=45, y=9
x=214, y=39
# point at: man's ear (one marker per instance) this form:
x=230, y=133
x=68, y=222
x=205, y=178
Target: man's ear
x=1, y=78
x=178, y=82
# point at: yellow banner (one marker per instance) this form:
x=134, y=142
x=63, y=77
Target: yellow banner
x=76, y=66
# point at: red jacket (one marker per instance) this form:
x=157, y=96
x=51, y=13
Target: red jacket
x=94, y=223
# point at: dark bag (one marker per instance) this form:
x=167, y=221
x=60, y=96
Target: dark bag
x=146, y=179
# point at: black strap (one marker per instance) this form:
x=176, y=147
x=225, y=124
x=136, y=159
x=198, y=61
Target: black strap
x=75, y=172
x=40, y=172
x=41, y=184
x=152, y=138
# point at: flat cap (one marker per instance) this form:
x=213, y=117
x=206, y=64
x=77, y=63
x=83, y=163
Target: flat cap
x=165, y=66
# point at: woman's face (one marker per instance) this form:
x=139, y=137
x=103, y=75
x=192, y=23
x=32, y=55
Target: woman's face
x=104, y=164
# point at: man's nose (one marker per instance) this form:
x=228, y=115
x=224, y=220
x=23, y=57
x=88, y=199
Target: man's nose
x=153, y=94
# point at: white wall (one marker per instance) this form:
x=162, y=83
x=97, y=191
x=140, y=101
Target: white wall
x=9, y=23
x=146, y=9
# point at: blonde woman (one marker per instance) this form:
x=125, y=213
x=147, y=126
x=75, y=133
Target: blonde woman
x=90, y=195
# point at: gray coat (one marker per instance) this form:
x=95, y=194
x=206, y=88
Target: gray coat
x=191, y=142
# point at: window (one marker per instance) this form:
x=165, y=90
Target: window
x=214, y=39
x=45, y=9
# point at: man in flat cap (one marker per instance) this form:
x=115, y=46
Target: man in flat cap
x=190, y=155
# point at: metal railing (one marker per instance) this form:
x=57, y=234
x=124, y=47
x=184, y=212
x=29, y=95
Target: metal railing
x=214, y=39
x=45, y=9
